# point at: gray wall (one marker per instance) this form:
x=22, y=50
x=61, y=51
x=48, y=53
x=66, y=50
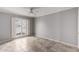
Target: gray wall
x=4, y=27
x=60, y=26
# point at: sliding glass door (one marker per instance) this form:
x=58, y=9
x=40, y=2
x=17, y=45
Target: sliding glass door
x=19, y=27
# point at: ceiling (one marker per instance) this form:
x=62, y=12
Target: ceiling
x=37, y=11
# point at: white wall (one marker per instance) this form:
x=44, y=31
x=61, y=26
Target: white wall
x=60, y=26
x=4, y=27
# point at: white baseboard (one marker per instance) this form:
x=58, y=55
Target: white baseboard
x=72, y=45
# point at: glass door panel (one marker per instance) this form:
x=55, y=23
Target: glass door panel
x=24, y=27
x=18, y=26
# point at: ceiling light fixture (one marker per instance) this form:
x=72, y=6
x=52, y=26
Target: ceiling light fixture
x=32, y=10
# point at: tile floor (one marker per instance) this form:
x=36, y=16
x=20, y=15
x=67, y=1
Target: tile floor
x=33, y=44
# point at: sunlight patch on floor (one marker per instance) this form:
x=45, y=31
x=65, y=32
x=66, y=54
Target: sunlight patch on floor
x=21, y=44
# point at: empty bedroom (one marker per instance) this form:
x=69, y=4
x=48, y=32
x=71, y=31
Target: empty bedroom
x=39, y=29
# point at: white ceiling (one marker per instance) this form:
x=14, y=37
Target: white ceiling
x=49, y=10
x=38, y=11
